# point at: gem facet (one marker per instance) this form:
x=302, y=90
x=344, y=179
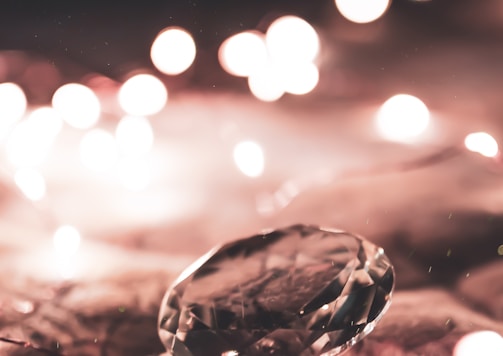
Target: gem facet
x=298, y=291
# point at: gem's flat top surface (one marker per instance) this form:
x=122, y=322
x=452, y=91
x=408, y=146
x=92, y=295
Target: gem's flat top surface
x=300, y=290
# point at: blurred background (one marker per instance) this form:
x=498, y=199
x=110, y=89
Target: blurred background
x=135, y=136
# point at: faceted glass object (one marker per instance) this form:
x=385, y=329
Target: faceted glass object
x=298, y=291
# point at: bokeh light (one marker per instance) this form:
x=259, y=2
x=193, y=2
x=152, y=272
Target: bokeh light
x=291, y=39
x=301, y=79
x=25, y=147
x=12, y=104
x=134, y=135
x=362, y=11
x=98, y=151
x=173, y=51
x=487, y=343
x=243, y=54
x=47, y=122
x=134, y=174
x=78, y=105
x=483, y=143
x=402, y=118
x=31, y=183
x=266, y=84
x=66, y=241
x=142, y=95
x=249, y=158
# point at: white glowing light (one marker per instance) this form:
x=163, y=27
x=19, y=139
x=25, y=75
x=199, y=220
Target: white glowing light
x=31, y=183
x=402, y=118
x=12, y=103
x=134, y=174
x=97, y=150
x=249, y=158
x=134, y=135
x=78, y=105
x=66, y=241
x=25, y=147
x=362, y=11
x=173, y=51
x=266, y=84
x=301, y=79
x=487, y=343
x=243, y=54
x=46, y=122
x=292, y=39
x=143, y=95
x=482, y=143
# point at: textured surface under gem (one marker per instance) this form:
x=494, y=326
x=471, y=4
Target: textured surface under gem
x=299, y=291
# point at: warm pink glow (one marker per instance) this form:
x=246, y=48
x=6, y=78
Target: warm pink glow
x=402, y=118
x=134, y=174
x=143, y=95
x=134, y=135
x=291, y=39
x=78, y=105
x=243, y=54
x=483, y=143
x=362, y=11
x=173, y=51
x=31, y=183
x=487, y=343
x=98, y=151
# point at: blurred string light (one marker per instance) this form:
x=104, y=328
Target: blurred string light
x=243, y=54
x=487, y=343
x=279, y=62
x=173, y=51
x=134, y=135
x=362, y=11
x=402, y=118
x=249, y=158
x=12, y=105
x=31, y=183
x=98, y=151
x=78, y=105
x=483, y=143
x=142, y=95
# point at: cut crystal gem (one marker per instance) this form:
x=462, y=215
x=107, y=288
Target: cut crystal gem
x=298, y=291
